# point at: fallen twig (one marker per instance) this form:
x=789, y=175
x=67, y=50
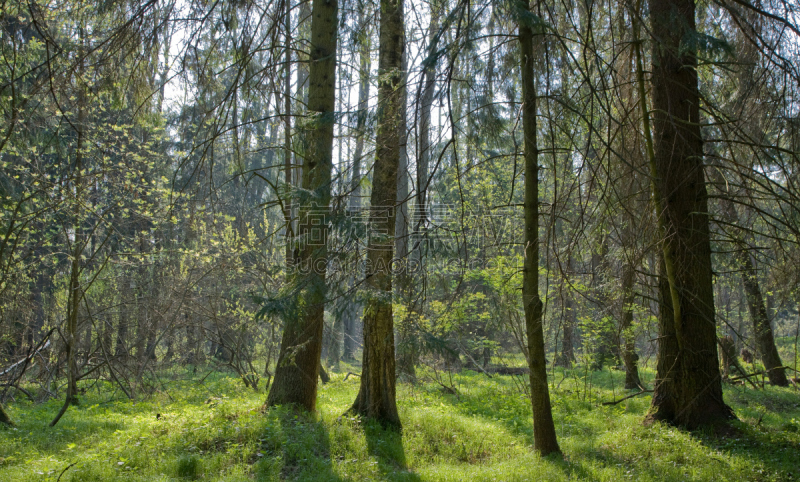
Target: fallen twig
x=746, y=376
x=65, y=469
x=625, y=398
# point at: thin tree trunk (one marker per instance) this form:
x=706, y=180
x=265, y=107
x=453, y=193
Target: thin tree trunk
x=287, y=137
x=751, y=116
x=121, y=350
x=405, y=331
x=299, y=359
x=762, y=329
x=376, y=396
x=605, y=342
x=629, y=356
x=567, y=356
x=688, y=388
x=351, y=311
x=544, y=433
x=75, y=294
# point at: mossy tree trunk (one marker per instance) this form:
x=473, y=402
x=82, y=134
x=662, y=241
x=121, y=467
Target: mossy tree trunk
x=688, y=388
x=376, y=396
x=544, y=433
x=299, y=359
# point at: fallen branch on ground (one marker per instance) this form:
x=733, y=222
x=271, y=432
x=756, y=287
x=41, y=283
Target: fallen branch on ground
x=625, y=398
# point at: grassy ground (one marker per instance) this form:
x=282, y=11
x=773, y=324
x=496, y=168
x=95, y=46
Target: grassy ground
x=216, y=431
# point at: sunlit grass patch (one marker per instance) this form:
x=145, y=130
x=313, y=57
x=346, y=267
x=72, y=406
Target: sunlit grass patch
x=217, y=430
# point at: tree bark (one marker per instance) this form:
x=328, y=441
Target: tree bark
x=406, y=342
x=544, y=433
x=750, y=112
x=4, y=418
x=299, y=359
x=762, y=329
x=287, y=138
x=567, y=356
x=351, y=312
x=629, y=356
x=376, y=396
x=688, y=388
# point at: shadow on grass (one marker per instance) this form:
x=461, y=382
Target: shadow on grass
x=583, y=428
x=33, y=433
x=513, y=411
x=299, y=450
x=386, y=445
x=768, y=445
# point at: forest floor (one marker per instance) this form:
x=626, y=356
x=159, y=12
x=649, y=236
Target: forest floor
x=216, y=430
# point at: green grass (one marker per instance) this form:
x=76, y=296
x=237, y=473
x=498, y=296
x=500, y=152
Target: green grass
x=216, y=431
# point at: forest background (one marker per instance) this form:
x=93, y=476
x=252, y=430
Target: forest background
x=421, y=203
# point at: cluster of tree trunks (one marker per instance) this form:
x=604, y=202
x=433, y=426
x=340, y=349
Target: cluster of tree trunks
x=687, y=389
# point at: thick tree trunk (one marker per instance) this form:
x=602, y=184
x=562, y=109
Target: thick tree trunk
x=298, y=362
x=376, y=396
x=688, y=389
x=544, y=433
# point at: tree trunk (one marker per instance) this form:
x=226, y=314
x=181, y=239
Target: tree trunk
x=406, y=343
x=75, y=294
x=688, y=388
x=287, y=139
x=567, y=356
x=334, y=349
x=751, y=114
x=605, y=337
x=762, y=329
x=4, y=418
x=629, y=356
x=544, y=433
x=298, y=362
x=376, y=396
x=351, y=311
x=728, y=353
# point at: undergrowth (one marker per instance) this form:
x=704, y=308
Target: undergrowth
x=478, y=429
